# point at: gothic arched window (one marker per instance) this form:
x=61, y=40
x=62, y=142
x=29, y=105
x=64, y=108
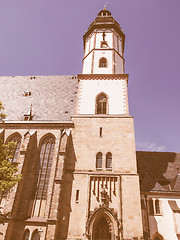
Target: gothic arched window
x=103, y=62
x=26, y=234
x=99, y=160
x=45, y=162
x=109, y=160
x=17, y=139
x=101, y=104
x=35, y=235
x=157, y=236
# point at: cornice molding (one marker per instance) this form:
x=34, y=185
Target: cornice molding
x=36, y=124
x=101, y=116
x=103, y=76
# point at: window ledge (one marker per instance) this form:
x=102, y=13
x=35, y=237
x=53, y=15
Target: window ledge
x=156, y=214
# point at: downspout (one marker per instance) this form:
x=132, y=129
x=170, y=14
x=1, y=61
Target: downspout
x=121, y=209
x=145, y=196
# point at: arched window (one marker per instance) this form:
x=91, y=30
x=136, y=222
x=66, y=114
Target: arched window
x=99, y=160
x=35, y=235
x=151, y=207
x=26, y=234
x=101, y=104
x=109, y=160
x=157, y=236
x=46, y=156
x=103, y=63
x=157, y=206
x=17, y=139
x=104, y=44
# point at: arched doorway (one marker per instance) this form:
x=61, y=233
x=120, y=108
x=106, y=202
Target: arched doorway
x=102, y=225
x=101, y=230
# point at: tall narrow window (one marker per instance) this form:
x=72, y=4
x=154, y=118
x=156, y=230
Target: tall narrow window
x=17, y=139
x=26, y=234
x=46, y=156
x=35, y=235
x=103, y=63
x=101, y=104
x=99, y=160
x=100, y=132
x=157, y=206
x=151, y=207
x=109, y=160
x=77, y=196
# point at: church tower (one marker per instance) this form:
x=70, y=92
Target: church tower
x=105, y=196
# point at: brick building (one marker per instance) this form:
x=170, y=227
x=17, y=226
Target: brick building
x=76, y=152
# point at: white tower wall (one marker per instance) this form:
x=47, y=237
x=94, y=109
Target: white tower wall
x=116, y=91
x=94, y=51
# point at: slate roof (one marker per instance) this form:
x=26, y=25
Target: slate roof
x=150, y=184
x=175, y=183
x=159, y=171
x=52, y=97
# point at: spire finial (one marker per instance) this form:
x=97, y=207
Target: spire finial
x=105, y=5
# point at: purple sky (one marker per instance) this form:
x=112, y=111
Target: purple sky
x=44, y=37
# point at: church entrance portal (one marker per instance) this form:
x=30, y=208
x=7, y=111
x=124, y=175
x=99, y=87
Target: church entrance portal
x=102, y=225
x=101, y=230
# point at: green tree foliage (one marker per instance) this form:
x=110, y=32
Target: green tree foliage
x=2, y=115
x=8, y=169
x=9, y=175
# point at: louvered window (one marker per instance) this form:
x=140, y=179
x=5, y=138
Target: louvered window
x=26, y=234
x=35, y=235
x=101, y=104
x=103, y=63
x=99, y=160
x=109, y=160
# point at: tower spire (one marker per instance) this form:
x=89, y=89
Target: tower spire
x=105, y=5
x=104, y=46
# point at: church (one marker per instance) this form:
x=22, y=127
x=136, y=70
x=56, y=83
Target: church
x=82, y=178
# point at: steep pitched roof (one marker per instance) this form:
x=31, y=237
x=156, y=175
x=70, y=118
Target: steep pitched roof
x=150, y=184
x=175, y=183
x=159, y=171
x=51, y=97
x=163, y=166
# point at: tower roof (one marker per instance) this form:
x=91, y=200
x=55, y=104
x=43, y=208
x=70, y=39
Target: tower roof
x=104, y=20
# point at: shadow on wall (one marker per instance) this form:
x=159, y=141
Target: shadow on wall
x=65, y=196
x=24, y=193
x=153, y=226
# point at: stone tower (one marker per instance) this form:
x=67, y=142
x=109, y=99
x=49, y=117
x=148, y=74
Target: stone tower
x=105, y=198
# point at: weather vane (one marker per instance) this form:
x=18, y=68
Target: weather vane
x=105, y=5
